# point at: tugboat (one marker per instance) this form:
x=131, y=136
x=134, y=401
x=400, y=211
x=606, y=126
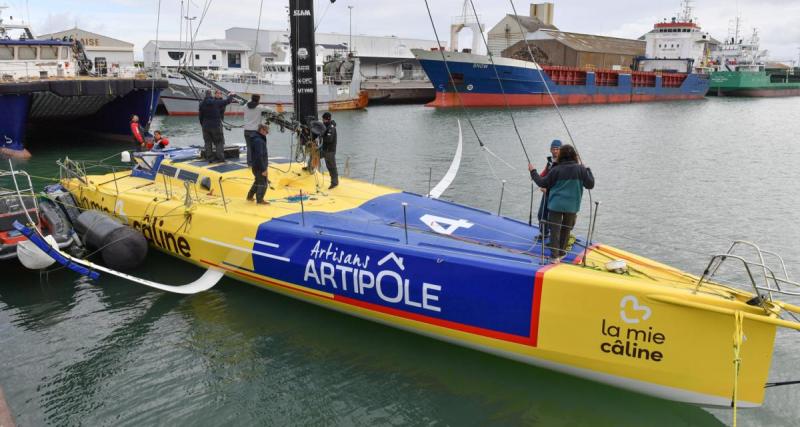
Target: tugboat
x=50, y=83
x=452, y=272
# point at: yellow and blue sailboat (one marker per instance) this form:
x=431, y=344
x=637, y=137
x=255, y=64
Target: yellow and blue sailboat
x=454, y=273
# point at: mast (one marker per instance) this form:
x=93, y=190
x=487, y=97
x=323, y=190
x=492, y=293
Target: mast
x=304, y=60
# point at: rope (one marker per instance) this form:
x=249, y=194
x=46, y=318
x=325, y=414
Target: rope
x=499, y=82
x=153, y=86
x=738, y=335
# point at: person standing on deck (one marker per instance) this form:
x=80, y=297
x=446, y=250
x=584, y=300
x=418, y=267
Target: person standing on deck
x=210, y=114
x=552, y=160
x=252, y=119
x=564, y=183
x=259, y=163
x=329, y=148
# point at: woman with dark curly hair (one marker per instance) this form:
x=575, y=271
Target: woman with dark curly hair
x=564, y=184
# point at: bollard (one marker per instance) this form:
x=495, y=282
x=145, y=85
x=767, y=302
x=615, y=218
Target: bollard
x=302, y=209
x=405, y=220
x=502, y=190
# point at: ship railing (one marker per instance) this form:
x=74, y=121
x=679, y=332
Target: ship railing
x=772, y=283
x=19, y=191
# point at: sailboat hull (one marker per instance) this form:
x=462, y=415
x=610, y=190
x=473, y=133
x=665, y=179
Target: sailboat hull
x=432, y=272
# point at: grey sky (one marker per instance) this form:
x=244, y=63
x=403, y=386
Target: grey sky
x=135, y=20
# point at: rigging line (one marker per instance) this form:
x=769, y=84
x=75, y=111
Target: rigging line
x=541, y=75
x=450, y=75
x=153, y=76
x=499, y=82
x=321, y=18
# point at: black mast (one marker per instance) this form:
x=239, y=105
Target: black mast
x=304, y=60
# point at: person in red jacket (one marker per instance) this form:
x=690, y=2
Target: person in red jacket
x=159, y=141
x=140, y=135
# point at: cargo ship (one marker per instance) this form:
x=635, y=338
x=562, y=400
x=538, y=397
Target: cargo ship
x=671, y=69
x=740, y=70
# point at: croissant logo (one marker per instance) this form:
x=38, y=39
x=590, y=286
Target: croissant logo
x=631, y=311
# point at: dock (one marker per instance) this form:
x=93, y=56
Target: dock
x=394, y=91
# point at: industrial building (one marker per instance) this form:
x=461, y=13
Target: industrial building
x=103, y=51
x=506, y=33
x=553, y=47
x=213, y=54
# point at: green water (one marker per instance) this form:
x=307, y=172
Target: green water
x=677, y=181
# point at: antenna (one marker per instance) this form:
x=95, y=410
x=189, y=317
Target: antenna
x=686, y=11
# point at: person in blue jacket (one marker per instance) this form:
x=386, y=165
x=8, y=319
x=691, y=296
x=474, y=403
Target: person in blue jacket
x=259, y=161
x=564, y=184
x=211, y=113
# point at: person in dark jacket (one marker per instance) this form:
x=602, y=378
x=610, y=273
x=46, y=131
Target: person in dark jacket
x=259, y=160
x=552, y=160
x=329, y=149
x=564, y=184
x=210, y=114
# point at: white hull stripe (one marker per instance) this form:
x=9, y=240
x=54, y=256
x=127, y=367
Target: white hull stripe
x=239, y=248
x=261, y=242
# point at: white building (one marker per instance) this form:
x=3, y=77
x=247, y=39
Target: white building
x=98, y=48
x=215, y=54
x=380, y=56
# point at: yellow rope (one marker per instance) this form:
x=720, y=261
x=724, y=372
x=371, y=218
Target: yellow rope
x=738, y=337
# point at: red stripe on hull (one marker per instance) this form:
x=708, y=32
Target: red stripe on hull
x=450, y=99
x=538, y=282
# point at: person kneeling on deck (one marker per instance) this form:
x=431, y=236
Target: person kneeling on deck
x=159, y=142
x=259, y=159
x=564, y=184
x=329, y=149
x=141, y=137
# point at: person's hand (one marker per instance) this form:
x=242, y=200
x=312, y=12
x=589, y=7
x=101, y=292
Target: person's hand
x=531, y=167
x=543, y=190
x=264, y=174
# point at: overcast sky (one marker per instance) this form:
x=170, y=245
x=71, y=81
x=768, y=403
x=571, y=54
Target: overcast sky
x=778, y=21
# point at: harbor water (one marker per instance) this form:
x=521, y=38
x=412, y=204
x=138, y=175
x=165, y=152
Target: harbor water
x=676, y=182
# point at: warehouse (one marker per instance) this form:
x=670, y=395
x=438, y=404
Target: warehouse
x=103, y=51
x=559, y=48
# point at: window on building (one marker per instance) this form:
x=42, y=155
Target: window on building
x=234, y=60
x=177, y=56
x=48, y=52
x=196, y=56
x=26, y=52
x=214, y=57
x=6, y=52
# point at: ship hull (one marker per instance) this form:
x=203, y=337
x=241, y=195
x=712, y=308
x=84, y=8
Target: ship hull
x=180, y=100
x=508, y=82
x=99, y=105
x=351, y=253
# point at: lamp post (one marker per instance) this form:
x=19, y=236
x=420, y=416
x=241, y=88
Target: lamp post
x=191, y=37
x=350, y=46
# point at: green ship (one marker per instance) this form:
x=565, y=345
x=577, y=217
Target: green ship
x=756, y=83
x=740, y=70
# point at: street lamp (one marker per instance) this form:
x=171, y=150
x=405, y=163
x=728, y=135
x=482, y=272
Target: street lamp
x=350, y=46
x=191, y=37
